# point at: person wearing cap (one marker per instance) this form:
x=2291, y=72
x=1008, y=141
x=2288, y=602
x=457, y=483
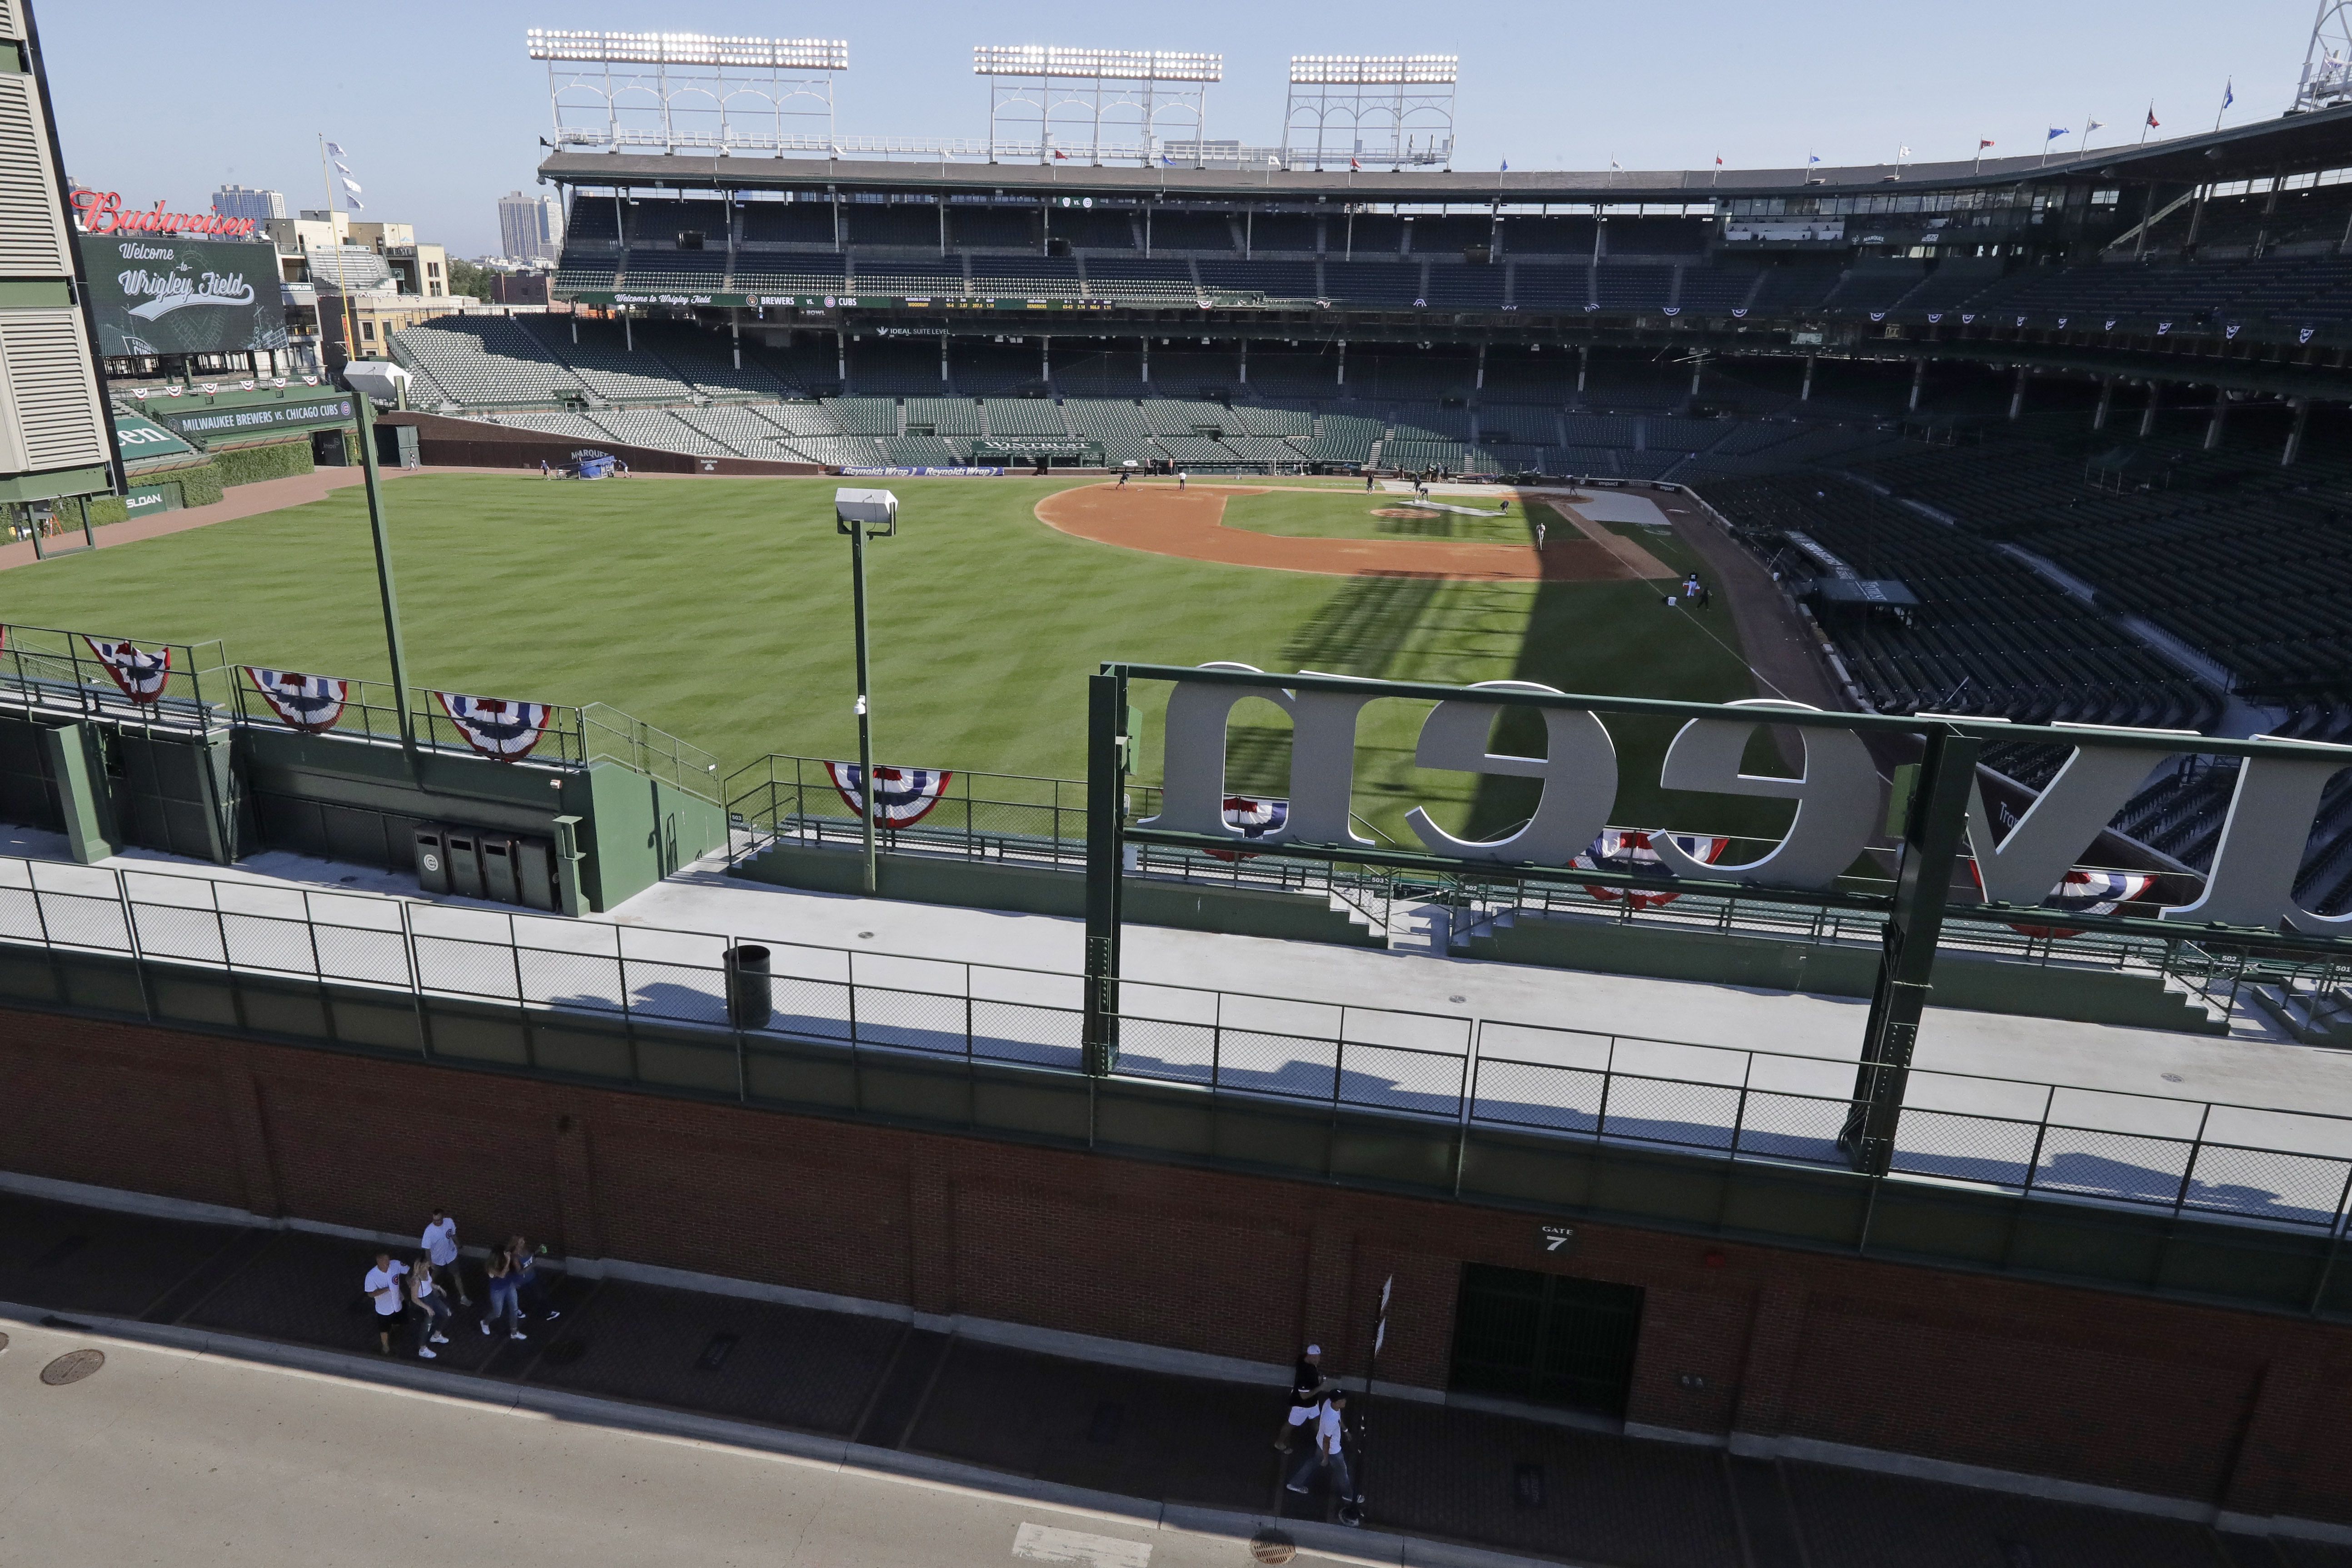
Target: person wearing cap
x=1305, y=1397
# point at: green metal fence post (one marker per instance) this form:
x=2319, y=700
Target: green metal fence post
x=1931, y=844
x=1108, y=755
x=365, y=411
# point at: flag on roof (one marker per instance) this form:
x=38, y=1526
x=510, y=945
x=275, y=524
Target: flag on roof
x=2094, y=125
x=1506, y=165
x=1983, y=143
x=336, y=148
x=1355, y=164
x=1616, y=166
x=1065, y=157
x=2056, y=131
x=2153, y=122
x=2229, y=92
x=1901, y=154
x=1718, y=159
x=1811, y=159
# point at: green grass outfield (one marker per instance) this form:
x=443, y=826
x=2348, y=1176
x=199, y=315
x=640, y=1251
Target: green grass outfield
x=719, y=609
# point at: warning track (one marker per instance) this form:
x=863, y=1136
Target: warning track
x=1188, y=524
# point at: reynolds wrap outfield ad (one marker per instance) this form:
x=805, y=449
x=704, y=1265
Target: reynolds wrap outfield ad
x=162, y=294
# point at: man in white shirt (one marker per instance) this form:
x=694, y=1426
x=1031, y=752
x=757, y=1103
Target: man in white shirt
x=1330, y=1424
x=440, y=1245
x=382, y=1285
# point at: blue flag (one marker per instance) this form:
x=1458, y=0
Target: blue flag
x=2056, y=131
x=2229, y=92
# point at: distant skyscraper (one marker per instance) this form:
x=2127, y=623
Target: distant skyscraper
x=244, y=201
x=530, y=228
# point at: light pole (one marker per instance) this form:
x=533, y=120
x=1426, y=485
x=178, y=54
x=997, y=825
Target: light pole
x=367, y=383
x=859, y=513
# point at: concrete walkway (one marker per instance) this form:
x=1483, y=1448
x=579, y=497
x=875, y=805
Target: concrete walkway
x=679, y=1419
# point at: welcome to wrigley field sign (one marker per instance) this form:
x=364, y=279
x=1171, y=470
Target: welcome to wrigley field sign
x=2248, y=897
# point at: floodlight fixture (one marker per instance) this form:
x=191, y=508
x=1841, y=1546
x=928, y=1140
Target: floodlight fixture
x=687, y=49
x=1098, y=65
x=1372, y=109
x=712, y=93
x=1375, y=71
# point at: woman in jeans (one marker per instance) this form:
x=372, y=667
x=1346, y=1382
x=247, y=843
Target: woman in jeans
x=531, y=1290
x=503, y=1301
x=432, y=1307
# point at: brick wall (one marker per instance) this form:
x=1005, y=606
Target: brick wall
x=2225, y=1407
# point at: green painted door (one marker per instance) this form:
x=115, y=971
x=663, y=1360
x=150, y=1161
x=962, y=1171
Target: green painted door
x=1546, y=1339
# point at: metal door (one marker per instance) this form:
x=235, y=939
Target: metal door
x=1547, y=1339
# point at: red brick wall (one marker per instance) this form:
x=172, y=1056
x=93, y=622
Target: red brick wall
x=2231, y=1408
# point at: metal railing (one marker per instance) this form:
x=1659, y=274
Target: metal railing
x=2290, y=1168
x=59, y=672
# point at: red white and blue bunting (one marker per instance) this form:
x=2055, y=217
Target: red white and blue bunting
x=496, y=728
x=141, y=674
x=2082, y=891
x=311, y=703
x=1630, y=849
x=902, y=796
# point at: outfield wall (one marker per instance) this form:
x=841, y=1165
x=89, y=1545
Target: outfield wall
x=2173, y=1407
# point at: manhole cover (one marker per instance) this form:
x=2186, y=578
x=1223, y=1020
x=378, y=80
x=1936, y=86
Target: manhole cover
x=1272, y=1546
x=72, y=1367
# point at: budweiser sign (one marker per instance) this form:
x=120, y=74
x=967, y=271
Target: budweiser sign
x=102, y=212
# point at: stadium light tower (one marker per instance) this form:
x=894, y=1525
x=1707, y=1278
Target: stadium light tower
x=2327, y=79
x=1085, y=91
x=689, y=89
x=1396, y=110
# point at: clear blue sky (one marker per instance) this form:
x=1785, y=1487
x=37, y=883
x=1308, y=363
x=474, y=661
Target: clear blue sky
x=441, y=110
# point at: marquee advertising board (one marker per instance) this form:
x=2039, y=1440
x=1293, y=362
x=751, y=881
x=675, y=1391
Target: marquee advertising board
x=162, y=294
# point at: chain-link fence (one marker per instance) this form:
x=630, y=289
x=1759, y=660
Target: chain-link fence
x=2286, y=1167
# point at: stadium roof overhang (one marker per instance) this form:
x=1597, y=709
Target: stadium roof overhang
x=2289, y=144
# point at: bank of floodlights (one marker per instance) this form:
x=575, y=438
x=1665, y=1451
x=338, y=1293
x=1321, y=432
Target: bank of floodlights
x=1359, y=110
x=1375, y=71
x=1099, y=65
x=689, y=50
x=703, y=92
x=1047, y=103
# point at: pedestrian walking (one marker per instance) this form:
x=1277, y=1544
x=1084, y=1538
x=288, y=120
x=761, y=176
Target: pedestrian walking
x=1306, y=1397
x=431, y=1305
x=531, y=1290
x=1330, y=1436
x=503, y=1302
x=382, y=1285
x=440, y=1244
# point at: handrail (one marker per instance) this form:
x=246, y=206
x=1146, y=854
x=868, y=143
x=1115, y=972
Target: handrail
x=2266, y=1163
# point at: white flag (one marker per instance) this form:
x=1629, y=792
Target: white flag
x=336, y=148
x=2093, y=125
x=1903, y=153
x=351, y=185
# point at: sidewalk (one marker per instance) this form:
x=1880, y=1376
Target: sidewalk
x=628, y=1352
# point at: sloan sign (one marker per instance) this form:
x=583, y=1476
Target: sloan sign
x=1835, y=795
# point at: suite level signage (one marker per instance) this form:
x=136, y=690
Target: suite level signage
x=722, y=299
x=220, y=422
x=102, y=212
x=2250, y=883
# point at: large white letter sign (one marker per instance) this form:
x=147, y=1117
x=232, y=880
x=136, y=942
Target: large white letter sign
x=1837, y=797
x=1579, y=770
x=1322, y=760
x=2055, y=830
x=2261, y=848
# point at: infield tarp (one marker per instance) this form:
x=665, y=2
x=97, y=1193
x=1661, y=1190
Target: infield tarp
x=161, y=294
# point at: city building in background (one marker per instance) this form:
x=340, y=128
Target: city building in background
x=530, y=228
x=244, y=200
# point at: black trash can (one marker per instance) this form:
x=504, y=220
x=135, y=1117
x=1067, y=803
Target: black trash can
x=750, y=990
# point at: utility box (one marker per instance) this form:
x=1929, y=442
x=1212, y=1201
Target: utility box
x=431, y=859
x=479, y=863
x=499, y=883
x=464, y=862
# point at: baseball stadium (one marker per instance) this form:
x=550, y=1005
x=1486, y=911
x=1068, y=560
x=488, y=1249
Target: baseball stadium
x=1703, y=819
